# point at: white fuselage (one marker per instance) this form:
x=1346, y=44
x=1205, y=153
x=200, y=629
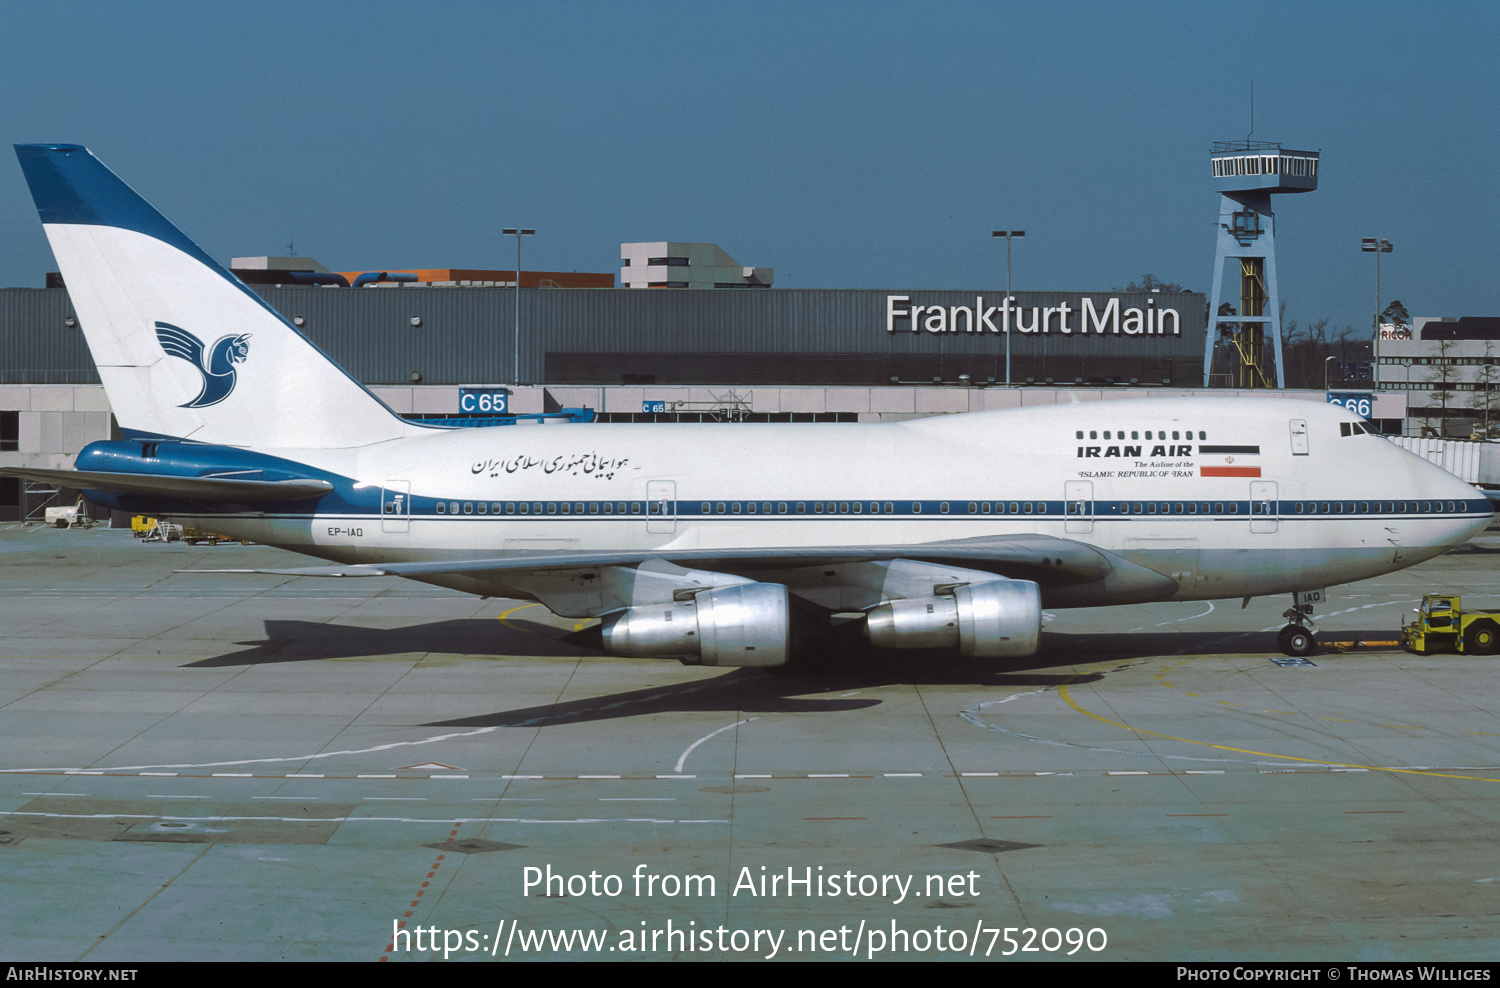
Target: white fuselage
x=1299, y=500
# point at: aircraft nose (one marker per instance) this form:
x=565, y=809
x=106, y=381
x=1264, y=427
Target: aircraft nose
x=1477, y=511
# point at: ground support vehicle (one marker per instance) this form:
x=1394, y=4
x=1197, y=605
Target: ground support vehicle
x=1441, y=624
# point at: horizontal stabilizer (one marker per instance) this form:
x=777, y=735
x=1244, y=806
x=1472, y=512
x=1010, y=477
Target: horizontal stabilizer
x=190, y=488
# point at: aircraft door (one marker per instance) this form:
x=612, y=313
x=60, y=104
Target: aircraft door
x=1078, y=496
x=1299, y=437
x=1263, y=513
x=661, y=507
x=395, y=507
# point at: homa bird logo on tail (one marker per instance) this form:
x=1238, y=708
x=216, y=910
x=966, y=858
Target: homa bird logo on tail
x=219, y=373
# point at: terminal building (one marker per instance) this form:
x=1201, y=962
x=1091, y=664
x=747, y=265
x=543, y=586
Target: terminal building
x=418, y=337
x=1448, y=372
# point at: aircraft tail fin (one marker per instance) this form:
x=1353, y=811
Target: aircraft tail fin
x=184, y=349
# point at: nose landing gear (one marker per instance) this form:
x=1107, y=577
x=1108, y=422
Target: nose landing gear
x=1299, y=637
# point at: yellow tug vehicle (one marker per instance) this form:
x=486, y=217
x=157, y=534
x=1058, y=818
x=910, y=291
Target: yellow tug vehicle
x=1441, y=624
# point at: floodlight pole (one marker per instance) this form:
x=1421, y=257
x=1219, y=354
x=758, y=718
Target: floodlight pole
x=516, y=357
x=1372, y=245
x=1009, y=235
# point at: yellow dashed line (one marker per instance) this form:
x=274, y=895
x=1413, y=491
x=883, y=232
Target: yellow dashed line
x=1062, y=691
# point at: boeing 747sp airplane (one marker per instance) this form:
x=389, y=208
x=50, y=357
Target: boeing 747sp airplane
x=692, y=541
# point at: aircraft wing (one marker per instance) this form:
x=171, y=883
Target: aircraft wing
x=190, y=488
x=1021, y=556
x=590, y=584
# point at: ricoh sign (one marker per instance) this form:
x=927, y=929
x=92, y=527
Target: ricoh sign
x=1090, y=317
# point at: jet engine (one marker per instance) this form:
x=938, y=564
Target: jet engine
x=743, y=625
x=987, y=620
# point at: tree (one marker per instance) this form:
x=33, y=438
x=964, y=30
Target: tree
x=1396, y=313
x=1487, y=389
x=1440, y=375
x=1150, y=283
x=1305, y=350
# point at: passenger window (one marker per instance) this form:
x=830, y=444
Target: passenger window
x=566, y=508
x=441, y=507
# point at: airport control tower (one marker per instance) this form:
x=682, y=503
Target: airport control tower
x=1247, y=174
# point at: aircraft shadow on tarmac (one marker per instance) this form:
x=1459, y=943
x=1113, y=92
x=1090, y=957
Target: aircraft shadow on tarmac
x=835, y=665
x=845, y=667
x=310, y=641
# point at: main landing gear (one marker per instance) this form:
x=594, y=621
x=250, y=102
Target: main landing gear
x=1299, y=637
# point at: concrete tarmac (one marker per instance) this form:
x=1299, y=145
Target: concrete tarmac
x=239, y=767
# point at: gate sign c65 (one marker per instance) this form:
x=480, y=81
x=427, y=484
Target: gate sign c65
x=482, y=401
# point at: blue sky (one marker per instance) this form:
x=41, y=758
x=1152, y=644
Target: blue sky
x=847, y=145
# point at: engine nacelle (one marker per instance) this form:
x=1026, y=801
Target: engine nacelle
x=744, y=625
x=986, y=620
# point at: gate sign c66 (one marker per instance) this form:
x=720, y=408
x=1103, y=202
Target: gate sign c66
x=1361, y=403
